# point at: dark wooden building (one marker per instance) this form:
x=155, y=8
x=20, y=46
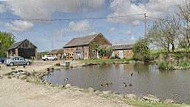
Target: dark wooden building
x=24, y=49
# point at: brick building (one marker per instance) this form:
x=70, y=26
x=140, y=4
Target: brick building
x=122, y=51
x=85, y=47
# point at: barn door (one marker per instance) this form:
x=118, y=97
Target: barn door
x=121, y=54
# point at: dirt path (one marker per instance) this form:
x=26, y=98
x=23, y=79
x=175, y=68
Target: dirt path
x=18, y=93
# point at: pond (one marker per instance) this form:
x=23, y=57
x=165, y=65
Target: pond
x=136, y=79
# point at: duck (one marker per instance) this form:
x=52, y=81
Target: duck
x=131, y=74
x=107, y=84
x=130, y=85
x=66, y=79
x=110, y=83
x=125, y=85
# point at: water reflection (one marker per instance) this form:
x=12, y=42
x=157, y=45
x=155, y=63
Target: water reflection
x=128, y=78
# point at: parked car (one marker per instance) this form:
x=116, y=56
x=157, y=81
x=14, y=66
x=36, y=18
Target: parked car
x=49, y=57
x=2, y=60
x=17, y=60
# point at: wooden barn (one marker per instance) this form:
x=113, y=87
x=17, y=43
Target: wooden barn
x=122, y=51
x=84, y=47
x=24, y=49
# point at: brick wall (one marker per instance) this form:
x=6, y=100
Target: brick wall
x=126, y=53
x=71, y=51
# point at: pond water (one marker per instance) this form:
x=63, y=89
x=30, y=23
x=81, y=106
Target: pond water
x=140, y=79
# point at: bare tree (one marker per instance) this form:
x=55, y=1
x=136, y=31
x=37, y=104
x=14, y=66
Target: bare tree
x=164, y=33
x=184, y=15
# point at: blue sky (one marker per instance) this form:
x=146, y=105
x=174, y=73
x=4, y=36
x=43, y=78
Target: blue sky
x=50, y=35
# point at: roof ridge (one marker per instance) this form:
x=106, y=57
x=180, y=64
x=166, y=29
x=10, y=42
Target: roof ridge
x=123, y=44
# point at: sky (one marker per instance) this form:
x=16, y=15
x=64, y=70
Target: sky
x=120, y=21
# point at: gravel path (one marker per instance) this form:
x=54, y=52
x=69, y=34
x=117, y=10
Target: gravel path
x=18, y=93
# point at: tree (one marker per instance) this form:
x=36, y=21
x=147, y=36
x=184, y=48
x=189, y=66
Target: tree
x=164, y=34
x=105, y=52
x=7, y=40
x=184, y=15
x=141, y=50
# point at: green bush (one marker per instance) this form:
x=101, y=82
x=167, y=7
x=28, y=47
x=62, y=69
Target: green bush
x=184, y=64
x=6, y=40
x=166, y=65
x=141, y=50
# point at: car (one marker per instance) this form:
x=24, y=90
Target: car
x=17, y=60
x=2, y=60
x=49, y=57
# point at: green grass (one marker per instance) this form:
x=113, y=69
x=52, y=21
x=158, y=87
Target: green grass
x=100, y=61
x=142, y=103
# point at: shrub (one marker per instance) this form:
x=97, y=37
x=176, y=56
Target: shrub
x=166, y=65
x=184, y=64
x=141, y=50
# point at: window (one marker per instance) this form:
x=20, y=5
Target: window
x=21, y=59
x=16, y=59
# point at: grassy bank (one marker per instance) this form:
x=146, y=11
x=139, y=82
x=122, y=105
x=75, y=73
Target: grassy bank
x=142, y=103
x=102, y=61
x=177, y=60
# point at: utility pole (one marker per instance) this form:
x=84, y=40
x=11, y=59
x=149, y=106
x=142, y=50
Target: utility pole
x=0, y=44
x=145, y=23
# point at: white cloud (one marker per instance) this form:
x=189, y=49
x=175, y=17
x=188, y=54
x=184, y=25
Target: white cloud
x=2, y=8
x=44, y=9
x=129, y=32
x=153, y=8
x=80, y=26
x=112, y=29
x=92, y=33
x=19, y=25
x=131, y=40
x=135, y=23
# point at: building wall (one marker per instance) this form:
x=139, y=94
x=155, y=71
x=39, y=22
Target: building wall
x=16, y=52
x=99, y=40
x=90, y=50
x=70, y=51
x=86, y=52
x=26, y=50
x=126, y=53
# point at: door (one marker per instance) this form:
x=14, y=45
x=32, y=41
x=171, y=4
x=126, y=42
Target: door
x=22, y=61
x=16, y=61
x=121, y=54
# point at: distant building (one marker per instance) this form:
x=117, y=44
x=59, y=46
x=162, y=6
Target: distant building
x=24, y=49
x=85, y=47
x=59, y=53
x=122, y=51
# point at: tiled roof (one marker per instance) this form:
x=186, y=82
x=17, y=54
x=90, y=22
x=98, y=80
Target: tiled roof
x=122, y=47
x=15, y=45
x=80, y=41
